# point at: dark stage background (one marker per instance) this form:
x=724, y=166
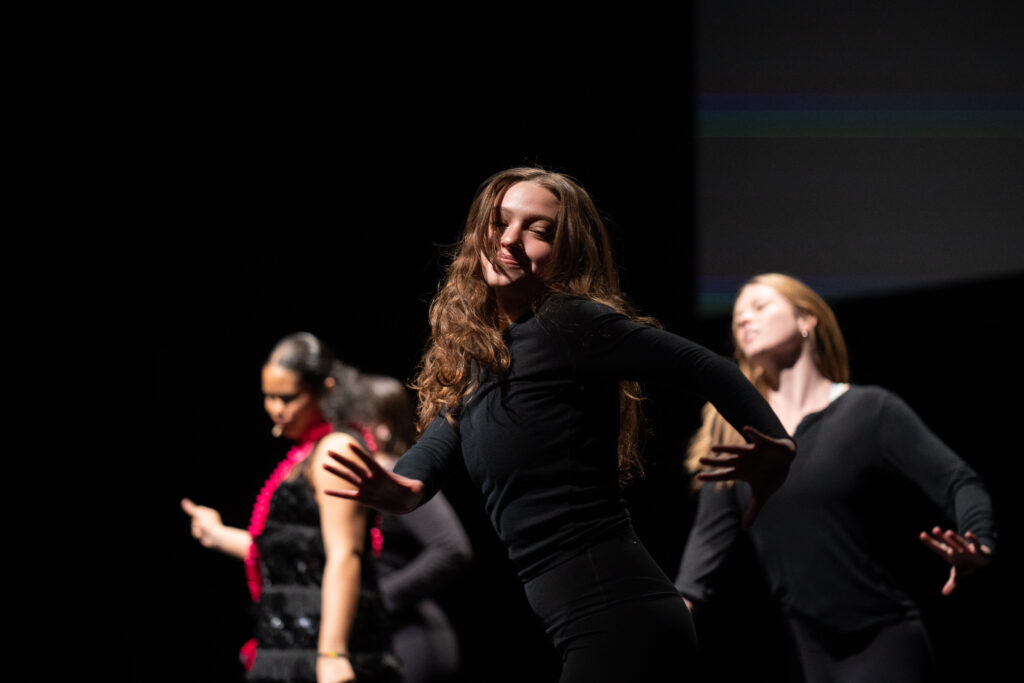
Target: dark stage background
x=277, y=206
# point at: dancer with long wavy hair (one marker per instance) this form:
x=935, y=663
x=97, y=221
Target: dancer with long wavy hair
x=532, y=378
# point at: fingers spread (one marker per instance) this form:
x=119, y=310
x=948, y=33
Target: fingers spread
x=363, y=455
x=935, y=544
x=720, y=460
x=737, y=449
x=349, y=464
x=347, y=474
x=955, y=541
x=349, y=494
x=725, y=474
x=755, y=434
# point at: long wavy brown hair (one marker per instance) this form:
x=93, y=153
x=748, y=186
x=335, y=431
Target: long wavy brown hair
x=830, y=357
x=465, y=327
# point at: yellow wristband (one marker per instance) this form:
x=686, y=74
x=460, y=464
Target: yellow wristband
x=333, y=655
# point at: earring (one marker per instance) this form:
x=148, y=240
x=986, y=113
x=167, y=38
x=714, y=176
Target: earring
x=805, y=334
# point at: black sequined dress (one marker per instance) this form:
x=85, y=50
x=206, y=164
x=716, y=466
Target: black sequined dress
x=288, y=613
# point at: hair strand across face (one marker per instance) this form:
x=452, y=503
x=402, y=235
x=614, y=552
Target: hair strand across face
x=466, y=331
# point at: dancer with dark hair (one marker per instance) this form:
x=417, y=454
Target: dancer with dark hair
x=863, y=451
x=531, y=378
x=308, y=556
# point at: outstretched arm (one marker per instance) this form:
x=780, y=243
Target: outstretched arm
x=616, y=347
x=949, y=482
x=212, y=533
x=964, y=553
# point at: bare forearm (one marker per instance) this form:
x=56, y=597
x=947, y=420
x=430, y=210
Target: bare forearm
x=339, y=597
x=230, y=541
x=211, y=532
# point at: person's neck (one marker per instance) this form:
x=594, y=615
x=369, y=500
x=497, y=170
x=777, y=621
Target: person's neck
x=511, y=308
x=798, y=390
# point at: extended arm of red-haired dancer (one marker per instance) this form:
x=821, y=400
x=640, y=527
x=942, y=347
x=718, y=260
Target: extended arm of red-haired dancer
x=965, y=553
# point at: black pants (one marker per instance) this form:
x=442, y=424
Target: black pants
x=900, y=651
x=614, y=616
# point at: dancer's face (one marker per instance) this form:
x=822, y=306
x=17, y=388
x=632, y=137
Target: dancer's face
x=523, y=229
x=765, y=322
x=288, y=403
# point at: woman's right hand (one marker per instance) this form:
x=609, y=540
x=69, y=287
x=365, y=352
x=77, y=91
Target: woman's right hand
x=206, y=523
x=374, y=486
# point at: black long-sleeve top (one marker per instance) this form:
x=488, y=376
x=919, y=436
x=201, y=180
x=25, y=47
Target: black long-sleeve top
x=825, y=537
x=541, y=440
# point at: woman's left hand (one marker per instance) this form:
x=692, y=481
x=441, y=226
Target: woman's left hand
x=763, y=463
x=965, y=553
